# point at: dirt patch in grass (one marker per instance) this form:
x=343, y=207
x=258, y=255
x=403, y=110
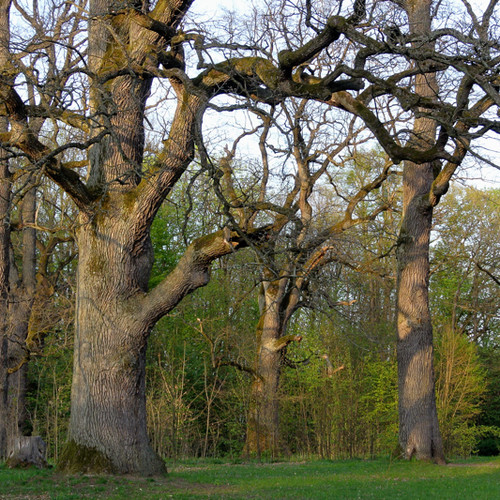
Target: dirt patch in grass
x=491, y=465
x=25, y=497
x=181, y=485
x=114, y=487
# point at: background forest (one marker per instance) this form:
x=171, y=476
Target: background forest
x=338, y=396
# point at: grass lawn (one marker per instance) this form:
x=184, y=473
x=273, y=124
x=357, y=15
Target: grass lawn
x=477, y=479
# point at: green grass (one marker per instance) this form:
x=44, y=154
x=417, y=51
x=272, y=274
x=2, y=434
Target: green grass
x=478, y=478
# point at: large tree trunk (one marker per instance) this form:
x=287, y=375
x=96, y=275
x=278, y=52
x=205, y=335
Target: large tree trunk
x=107, y=430
x=418, y=423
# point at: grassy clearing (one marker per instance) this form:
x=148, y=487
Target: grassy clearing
x=478, y=478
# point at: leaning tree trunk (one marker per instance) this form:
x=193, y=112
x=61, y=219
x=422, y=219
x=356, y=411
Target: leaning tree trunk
x=419, y=434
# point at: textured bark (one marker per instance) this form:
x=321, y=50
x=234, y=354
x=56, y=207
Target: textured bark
x=18, y=304
x=27, y=451
x=418, y=423
x=277, y=306
x=263, y=414
x=108, y=411
x=5, y=194
x=4, y=292
x=114, y=310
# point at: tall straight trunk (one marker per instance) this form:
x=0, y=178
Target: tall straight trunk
x=419, y=434
x=22, y=293
x=263, y=414
x=4, y=293
x=5, y=206
x=277, y=306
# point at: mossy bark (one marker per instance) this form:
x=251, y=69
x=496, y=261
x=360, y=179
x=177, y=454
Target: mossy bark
x=79, y=459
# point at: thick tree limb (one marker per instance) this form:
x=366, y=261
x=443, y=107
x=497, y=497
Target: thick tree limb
x=22, y=137
x=489, y=273
x=191, y=272
x=442, y=180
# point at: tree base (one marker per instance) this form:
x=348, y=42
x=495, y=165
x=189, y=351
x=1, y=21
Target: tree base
x=419, y=456
x=27, y=451
x=76, y=459
x=79, y=459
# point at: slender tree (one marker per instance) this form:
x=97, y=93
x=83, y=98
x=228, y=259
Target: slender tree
x=5, y=194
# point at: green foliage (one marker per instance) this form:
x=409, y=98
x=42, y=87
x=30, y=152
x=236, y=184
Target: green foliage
x=489, y=419
x=49, y=391
x=465, y=302
x=380, y=401
x=354, y=412
x=468, y=245
x=166, y=243
x=346, y=409
x=460, y=385
x=196, y=399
